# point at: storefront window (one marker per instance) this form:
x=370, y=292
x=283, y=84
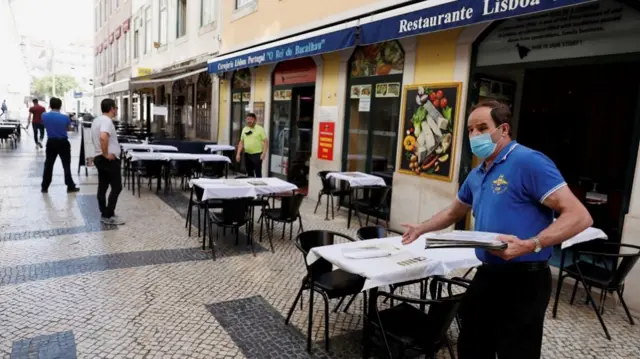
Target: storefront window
x=374, y=108
x=203, y=107
x=240, y=97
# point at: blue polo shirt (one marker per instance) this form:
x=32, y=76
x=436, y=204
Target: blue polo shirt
x=56, y=124
x=507, y=197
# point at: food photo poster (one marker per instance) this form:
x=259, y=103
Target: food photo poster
x=429, y=125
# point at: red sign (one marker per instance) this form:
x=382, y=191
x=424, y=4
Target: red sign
x=118, y=32
x=111, y=38
x=325, y=140
x=125, y=25
x=296, y=71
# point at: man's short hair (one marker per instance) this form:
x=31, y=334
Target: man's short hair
x=107, y=105
x=252, y=115
x=35, y=101
x=55, y=103
x=500, y=112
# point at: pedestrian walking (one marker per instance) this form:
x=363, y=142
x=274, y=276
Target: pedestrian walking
x=254, y=143
x=3, y=108
x=57, y=125
x=514, y=191
x=107, y=161
x=35, y=119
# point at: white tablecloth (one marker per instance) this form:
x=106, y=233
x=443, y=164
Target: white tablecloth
x=13, y=127
x=357, y=179
x=147, y=147
x=384, y=271
x=240, y=188
x=216, y=148
x=170, y=156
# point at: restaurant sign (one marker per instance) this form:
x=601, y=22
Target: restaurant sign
x=452, y=14
x=325, y=140
x=329, y=42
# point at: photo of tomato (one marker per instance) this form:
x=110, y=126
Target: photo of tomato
x=443, y=102
x=436, y=103
x=432, y=96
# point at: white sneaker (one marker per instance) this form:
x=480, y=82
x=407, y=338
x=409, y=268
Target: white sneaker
x=117, y=220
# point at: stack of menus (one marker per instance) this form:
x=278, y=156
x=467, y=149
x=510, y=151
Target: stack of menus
x=464, y=239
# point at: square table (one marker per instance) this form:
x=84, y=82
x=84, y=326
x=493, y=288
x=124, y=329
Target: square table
x=355, y=180
x=219, y=148
x=241, y=188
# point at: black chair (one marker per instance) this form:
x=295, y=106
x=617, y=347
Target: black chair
x=330, y=190
x=609, y=277
x=148, y=170
x=235, y=214
x=184, y=170
x=195, y=199
x=287, y=213
x=373, y=200
x=323, y=279
x=398, y=323
x=213, y=169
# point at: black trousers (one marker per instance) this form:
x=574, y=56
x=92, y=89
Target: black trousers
x=38, y=127
x=503, y=312
x=253, y=164
x=57, y=147
x=108, y=176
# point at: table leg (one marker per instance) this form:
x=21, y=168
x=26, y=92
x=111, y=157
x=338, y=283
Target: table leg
x=368, y=327
x=559, y=285
x=349, y=209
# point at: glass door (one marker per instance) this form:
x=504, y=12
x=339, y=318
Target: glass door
x=279, y=141
x=301, y=136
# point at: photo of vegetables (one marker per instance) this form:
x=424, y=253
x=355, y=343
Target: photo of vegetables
x=429, y=130
x=385, y=58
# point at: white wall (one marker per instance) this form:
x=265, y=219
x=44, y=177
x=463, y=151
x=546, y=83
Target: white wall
x=15, y=80
x=198, y=41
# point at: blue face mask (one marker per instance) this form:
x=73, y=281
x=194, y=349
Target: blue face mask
x=482, y=145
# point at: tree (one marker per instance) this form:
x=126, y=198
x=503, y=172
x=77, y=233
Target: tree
x=43, y=87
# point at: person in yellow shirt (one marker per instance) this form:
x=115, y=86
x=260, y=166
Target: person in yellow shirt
x=254, y=143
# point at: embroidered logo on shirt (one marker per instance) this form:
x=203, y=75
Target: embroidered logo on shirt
x=500, y=185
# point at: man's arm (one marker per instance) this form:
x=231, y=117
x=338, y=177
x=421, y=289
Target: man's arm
x=29, y=119
x=574, y=218
x=104, y=145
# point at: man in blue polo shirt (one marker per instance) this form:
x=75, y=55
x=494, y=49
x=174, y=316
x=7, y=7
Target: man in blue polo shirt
x=514, y=192
x=57, y=124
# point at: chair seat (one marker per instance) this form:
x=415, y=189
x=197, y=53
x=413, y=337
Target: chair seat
x=593, y=274
x=336, y=192
x=276, y=215
x=219, y=219
x=339, y=283
x=400, y=323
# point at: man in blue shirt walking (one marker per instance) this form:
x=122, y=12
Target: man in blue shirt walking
x=57, y=124
x=514, y=192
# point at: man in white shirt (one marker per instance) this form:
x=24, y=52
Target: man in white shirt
x=107, y=160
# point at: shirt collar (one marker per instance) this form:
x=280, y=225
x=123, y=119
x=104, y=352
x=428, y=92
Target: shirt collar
x=502, y=156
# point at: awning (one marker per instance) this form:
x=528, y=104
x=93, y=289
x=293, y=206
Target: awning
x=436, y=15
x=166, y=79
x=329, y=39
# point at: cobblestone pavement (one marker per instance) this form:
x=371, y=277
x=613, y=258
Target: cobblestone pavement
x=72, y=288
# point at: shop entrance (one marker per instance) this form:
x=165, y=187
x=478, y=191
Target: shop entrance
x=582, y=112
x=292, y=121
x=240, y=97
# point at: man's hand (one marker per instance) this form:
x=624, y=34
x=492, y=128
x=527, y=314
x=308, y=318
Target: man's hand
x=412, y=233
x=111, y=157
x=516, y=247
x=238, y=157
x=262, y=156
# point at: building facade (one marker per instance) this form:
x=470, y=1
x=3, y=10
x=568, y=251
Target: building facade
x=172, y=90
x=385, y=87
x=112, y=47
x=14, y=84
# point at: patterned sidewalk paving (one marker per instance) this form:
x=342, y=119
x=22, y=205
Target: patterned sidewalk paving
x=71, y=288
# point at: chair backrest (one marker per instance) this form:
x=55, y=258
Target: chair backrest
x=326, y=182
x=377, y=195
x=290, y=206
x=213, y=169
x=241, y=177
x=371, y=232
x=198, y=192
x=626, y=263
x=236, y=211
x=441, y=314
x=305, y=241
